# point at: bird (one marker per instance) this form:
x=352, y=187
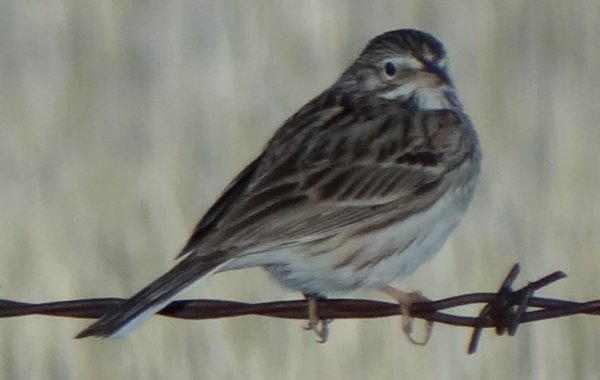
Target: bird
x=358, y=188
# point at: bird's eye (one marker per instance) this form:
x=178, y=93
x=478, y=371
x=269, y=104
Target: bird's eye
x=390, y=68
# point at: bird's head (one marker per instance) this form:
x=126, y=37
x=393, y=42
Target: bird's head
x=400, y=65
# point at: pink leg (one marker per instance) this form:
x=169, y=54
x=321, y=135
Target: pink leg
x=319, y=326
x=405, y=299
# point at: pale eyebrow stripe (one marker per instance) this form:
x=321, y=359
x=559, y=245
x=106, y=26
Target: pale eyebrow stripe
x=405, y=61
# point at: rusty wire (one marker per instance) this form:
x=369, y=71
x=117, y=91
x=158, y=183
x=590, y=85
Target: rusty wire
x=504, y=310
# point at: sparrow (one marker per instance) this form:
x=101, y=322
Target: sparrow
x=358, y=188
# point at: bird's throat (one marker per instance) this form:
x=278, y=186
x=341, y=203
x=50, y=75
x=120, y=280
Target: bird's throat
x=425, y=97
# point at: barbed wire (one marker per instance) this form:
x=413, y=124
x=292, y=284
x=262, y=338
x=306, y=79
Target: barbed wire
x=504, y=310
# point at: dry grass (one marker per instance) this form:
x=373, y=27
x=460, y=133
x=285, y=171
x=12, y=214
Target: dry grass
x=121, y=121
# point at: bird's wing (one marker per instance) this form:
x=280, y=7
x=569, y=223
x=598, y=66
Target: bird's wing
x=226, y=201
x=349, y=175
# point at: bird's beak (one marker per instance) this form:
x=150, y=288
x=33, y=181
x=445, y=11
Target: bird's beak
x=439, y=72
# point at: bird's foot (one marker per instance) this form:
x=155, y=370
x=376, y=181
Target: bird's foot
x=319, y=326
x=405, y=300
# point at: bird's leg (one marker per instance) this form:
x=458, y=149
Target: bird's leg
x=405, y=299
x=319, y=326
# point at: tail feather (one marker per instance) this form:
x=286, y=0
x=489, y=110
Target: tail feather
x=152, y=298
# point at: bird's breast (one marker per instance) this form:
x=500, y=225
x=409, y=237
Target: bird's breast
x=342, y=264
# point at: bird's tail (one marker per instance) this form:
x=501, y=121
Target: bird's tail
x=133, y=311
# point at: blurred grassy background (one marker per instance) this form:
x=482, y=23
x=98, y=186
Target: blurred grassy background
x=121, y=121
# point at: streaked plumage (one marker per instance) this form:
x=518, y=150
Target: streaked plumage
x=359, y=187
